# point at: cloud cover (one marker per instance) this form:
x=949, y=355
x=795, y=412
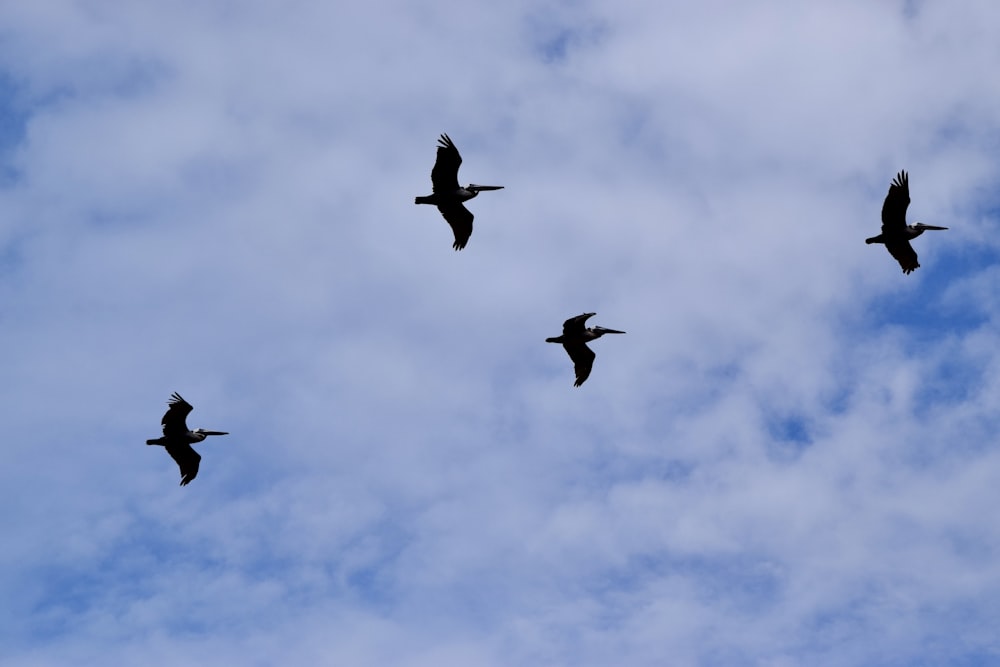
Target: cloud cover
x=789, y=459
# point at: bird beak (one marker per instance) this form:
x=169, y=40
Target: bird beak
x=215, y=432
x=932, y=227
x=611, y=330
x=479, y=188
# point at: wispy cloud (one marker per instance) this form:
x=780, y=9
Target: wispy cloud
x=789, y=459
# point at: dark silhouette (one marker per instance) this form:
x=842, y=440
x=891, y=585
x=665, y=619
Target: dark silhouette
x=448, y=195
x=896, y=234
x=575, y=338
x=177, y=438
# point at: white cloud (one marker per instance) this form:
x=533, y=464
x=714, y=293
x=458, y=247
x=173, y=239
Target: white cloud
x=788, y=459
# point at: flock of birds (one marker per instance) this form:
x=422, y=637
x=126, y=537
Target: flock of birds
x=450, y=198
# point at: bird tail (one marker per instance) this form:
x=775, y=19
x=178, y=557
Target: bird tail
x=875, y=239
x=153, y=442
x=423, y=200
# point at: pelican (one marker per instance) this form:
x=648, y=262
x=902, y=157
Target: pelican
x=448, y=195
x=574, y=339
x=896, y=234
x=178, y=439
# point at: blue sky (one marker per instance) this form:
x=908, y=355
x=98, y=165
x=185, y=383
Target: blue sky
x=790, y=458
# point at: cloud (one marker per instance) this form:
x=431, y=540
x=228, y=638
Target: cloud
x=788, y=459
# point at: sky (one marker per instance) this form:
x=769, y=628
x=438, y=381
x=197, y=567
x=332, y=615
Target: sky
x=791, y=458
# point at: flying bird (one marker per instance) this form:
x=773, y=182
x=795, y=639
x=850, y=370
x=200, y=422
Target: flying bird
x=448, y=195
x=178, y=439
x=896, y=234
x=574, y=339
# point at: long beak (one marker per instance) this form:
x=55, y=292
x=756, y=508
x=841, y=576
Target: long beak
x=215, y=432
x=932, y=227
x=480, y=188
x=603, y=330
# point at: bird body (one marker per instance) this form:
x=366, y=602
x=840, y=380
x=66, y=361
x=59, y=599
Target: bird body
x=448, y=195
x=177, y=438
x=576, y=334
x=458, y=195
x=896, y=234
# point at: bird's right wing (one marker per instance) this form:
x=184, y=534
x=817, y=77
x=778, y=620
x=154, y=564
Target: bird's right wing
x=444, y=176
x=576, y=325
x=583, y=360
x=895, y=205
x=460, y=219
x=904, y=254
x=175, y=419
x=187, y=459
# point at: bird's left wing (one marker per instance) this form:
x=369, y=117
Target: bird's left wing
x=460, y=219
x=187, y=459
x=904, y=254
x=583, y=360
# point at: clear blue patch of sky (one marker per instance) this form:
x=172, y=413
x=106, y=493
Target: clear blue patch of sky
x=554, y=42
x=14, y=115
x=927, y=315
x=929, y=311
x=954, y=381
x=64, y=596
x=922, y=310
x=610, y=468
x=789, y=436
x=375, y=581
x=742, y=583
x=63, y=602
x=856, y=621
x=958, y=633
x=911, y=8
x=125, y=77
x=12, y=258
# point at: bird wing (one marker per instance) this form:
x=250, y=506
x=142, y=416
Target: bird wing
x=175, y=419
x=583, y=360
x=904, y=254
x=444, y=176
x=460, y=219
x=895, y=205
x=187, y=459
x=576, y=325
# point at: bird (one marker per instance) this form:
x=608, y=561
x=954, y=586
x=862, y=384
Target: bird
x=896, y=234
x=574, y=339
x=177, y=439
x=448, y=195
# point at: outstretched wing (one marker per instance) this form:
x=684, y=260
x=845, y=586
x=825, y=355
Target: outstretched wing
x=576, y=325
x=904, y=254
x=460, y=219
x=583, y=360
x=895, y=205
x=187, y=459
x=175, y=419
x=444, y=176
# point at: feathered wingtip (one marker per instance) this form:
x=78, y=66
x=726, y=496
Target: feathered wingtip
x=176, y=398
